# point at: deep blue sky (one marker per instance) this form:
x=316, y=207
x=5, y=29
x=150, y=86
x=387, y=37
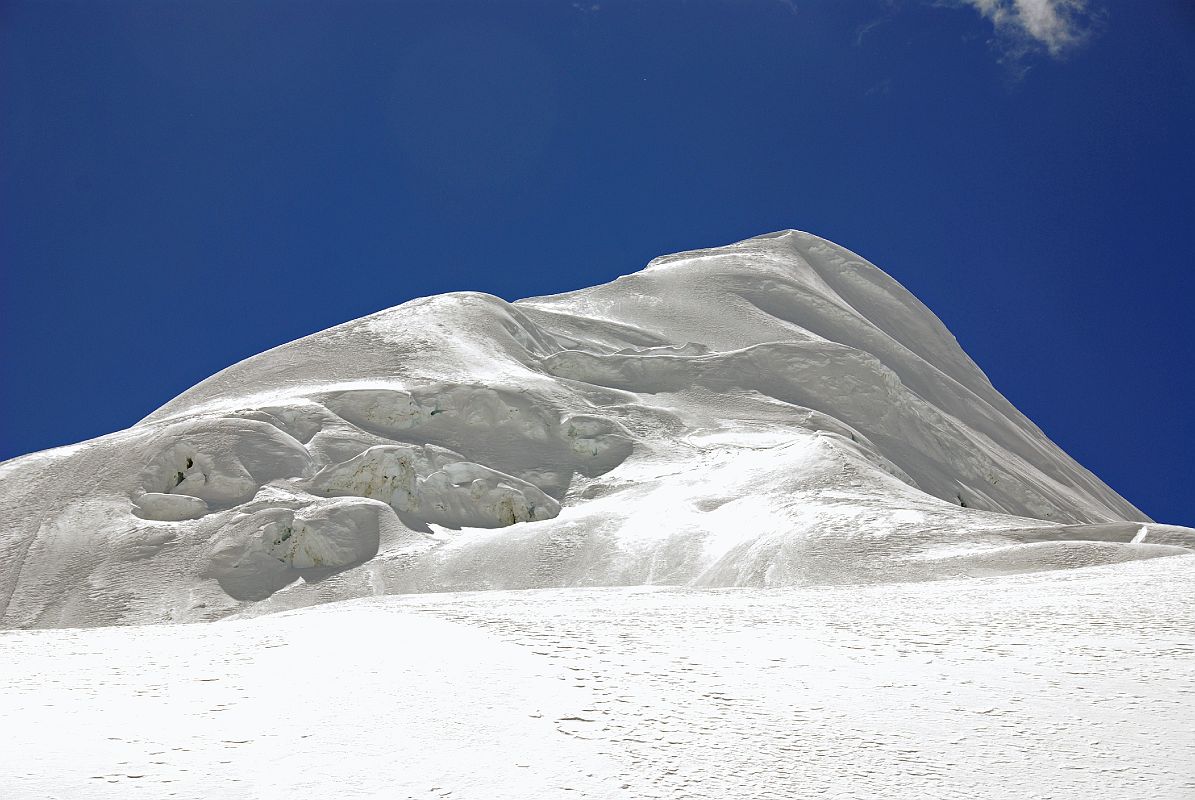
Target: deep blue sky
x=183, y=185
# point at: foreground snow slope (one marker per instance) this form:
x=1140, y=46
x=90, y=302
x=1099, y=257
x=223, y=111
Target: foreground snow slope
x=1072, y=684
x=774, y=412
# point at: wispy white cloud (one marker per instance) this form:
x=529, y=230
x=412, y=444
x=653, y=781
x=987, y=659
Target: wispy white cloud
x=1055, y=25
x=866, y=28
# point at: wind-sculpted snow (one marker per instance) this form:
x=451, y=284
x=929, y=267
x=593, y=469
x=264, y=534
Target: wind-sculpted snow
x=773, y=412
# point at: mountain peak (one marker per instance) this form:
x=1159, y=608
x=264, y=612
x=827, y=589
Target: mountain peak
x=775, y=411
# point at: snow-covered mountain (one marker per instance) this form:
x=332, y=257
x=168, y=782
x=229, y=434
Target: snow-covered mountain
x=776, y=415
x=775, y=412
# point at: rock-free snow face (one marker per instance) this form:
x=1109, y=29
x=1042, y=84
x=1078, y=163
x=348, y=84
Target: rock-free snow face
x=774, y=412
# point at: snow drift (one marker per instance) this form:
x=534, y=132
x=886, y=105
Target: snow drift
x=774, y=412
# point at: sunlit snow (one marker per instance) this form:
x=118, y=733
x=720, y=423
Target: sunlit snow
x=782, y=536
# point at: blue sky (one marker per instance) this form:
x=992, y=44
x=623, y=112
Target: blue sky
x=183, y=185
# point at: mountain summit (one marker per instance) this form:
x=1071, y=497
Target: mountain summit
x=774, y=412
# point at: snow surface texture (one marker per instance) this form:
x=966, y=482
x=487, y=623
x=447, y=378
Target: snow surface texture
x=776, y=412
x=1068, y=684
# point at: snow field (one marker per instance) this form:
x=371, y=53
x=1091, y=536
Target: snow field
x=1066, y=684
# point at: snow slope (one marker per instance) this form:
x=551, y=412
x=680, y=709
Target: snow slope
x=1044, y=686
x=776, y=412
